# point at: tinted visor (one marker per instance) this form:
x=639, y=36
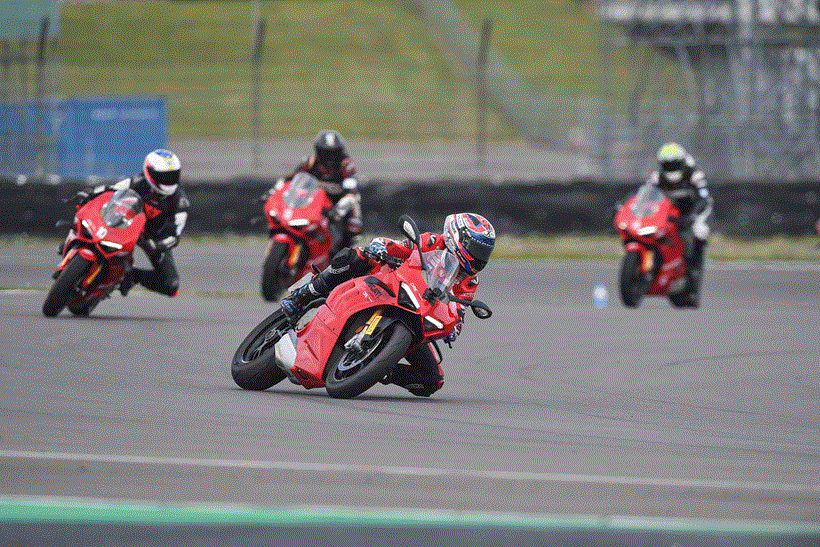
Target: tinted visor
x=166, y=181
x=329, y=158
x=672, y=165
x=479, y=250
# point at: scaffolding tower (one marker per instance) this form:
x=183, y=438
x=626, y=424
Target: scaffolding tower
x=749, y=97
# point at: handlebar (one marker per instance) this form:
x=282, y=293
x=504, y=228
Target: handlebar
x=391, y=261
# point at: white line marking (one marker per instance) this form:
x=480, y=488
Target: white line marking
x=420, y=472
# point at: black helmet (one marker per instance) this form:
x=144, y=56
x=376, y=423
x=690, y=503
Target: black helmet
x=330, y=150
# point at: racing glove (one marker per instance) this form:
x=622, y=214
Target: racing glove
x=81, y=197
x=378, y=251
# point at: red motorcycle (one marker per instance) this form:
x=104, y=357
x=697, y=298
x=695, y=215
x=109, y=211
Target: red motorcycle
x=654, y=263
x=97, y=252
x=354, y=338
x=299, y=231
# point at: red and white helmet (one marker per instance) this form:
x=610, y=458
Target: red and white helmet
x=471, y=238
x=161, y=169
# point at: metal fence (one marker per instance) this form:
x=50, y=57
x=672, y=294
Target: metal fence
x=736, y=82
x=747, y=101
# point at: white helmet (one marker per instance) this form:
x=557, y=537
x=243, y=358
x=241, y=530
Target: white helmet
x=161, y=169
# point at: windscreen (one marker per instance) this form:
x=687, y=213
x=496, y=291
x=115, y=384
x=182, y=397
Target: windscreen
x=648, y=201
x=442, y=272
x=301, y=191
x=122, y=208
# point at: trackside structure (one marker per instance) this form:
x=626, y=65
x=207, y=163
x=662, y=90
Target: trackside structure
x=748, y=93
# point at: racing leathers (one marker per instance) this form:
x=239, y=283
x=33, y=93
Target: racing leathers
x=342, y=188
x=692, y=198
x=423, y=375
x=165, y=221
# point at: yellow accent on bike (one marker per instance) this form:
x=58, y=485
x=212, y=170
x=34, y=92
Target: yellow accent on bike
x=294, y=255
x=372, y=322
x=648, y=262
x=88, y=280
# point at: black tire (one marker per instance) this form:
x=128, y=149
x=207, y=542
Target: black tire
x=632, y=282
x=256, y=369
x=364, y=370
x=273, y=271
x=64, y=288
x=83, y=309
x=686, y=299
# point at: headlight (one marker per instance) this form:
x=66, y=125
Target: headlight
x=86, y=230
x=110, y=246
x=647, y=230
x=406, y=298
x=432, y=324
x=298, y=223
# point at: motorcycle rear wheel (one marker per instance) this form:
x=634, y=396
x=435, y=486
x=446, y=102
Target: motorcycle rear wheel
x=254, y=364
x=353, y=373
x=632, y=282
x=64, y=288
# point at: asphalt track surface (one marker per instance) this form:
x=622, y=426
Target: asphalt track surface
x=550, y=407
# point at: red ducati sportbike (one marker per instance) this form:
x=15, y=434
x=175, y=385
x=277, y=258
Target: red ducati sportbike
x=299, y=231
x=358, y=334
x=97, y=252
x=654, y=263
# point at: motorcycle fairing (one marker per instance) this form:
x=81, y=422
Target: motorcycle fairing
x=116, y=217
x=660, y=250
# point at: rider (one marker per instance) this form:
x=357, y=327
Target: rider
x=331, y=164
x=685, y=185
x=469, y=236
x=166, y=209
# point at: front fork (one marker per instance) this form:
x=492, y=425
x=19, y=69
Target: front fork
x=647, y=255
x=88, y=254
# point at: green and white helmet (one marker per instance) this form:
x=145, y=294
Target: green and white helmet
x=672, y=160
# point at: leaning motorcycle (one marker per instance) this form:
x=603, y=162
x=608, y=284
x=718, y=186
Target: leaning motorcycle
x=299, y=231
x=654, y=262
x=97, y=252
x=353, y=339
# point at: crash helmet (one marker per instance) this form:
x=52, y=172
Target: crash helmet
x=330, y=150
x=161, y=170
x=471, y=238
x=672, y=161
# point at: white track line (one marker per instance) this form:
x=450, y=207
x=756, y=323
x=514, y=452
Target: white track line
x=770, y=487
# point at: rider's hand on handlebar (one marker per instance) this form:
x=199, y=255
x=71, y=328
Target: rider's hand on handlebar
x=378, y=251
x=79, y=198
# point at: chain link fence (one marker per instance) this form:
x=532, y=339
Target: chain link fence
x=736, y=82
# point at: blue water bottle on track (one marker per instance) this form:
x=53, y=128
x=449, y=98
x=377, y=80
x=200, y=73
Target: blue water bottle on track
x=600, y=296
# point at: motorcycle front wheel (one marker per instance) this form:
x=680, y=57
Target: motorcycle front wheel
x=254, y=363
x=356, y=371
x=274, y=270
x=64, y=288
x=632, y=281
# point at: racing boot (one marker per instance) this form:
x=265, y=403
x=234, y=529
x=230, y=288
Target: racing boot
x=404, y=375
x=694, y=272
x=129, y=280
x=294, y=304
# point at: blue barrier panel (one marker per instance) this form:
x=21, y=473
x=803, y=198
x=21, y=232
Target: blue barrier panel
x=109, y=137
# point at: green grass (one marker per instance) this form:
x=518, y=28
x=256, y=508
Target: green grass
x=594, y=247
x=368, y=68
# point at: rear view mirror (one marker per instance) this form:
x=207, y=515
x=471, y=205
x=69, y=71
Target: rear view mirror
x=480, y=309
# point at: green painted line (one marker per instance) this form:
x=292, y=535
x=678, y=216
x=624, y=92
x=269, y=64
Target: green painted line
x=58, y=510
